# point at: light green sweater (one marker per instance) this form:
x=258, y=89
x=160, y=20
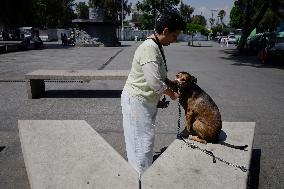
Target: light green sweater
x=136, y=84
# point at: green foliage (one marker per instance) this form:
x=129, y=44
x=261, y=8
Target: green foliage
x=154, y=6
x=211, y=21
x=222, y=14
x=277, y=7
x=236, y=16
x=260, y=14
x=149, y=9
x=198, y=19
x=82, y=10
x=186, y=11
x=15, y=12
x=38, y=13
x=226, y=31
x=143, y=21
x=268, y=22
x=217, y=29
x=112, y=8
x=194, y=28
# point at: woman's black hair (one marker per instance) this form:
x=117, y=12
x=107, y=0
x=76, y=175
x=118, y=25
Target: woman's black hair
x=170, y=19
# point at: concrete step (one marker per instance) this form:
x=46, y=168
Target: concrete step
x=182, y=167
x=70, y=154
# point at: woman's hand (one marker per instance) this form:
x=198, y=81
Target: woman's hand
x=173, y=95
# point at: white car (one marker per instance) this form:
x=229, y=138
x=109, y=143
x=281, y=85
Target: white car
x=232, y=39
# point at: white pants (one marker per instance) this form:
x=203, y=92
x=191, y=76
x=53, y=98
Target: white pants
x=139, y=131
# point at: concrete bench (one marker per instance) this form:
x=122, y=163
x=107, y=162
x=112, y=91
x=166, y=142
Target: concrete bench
x=35, y=80
x=182, y=167
x=70, y=154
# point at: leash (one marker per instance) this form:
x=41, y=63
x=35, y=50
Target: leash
x=157, y=41
x=208, y=152
x=179, y=117
x=194, y=146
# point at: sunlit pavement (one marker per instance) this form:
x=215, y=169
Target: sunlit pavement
x=243, y=89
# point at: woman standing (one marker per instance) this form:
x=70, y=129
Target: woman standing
x=143, y=89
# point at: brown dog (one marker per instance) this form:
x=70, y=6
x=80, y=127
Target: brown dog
x=203, y=119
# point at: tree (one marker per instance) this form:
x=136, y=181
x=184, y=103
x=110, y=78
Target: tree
x=199, y=19
x=221, y=15
x=253, y=14
x=236, y=16
x=197, y=24
x=194, y=28
x=217, y=29
x=15, y=13
x=186, y=11
x=39, y=13
x=149, y=9
x=269, y=22
x=82, y=10
x=112, y=8
x=211, y=21
x=143, y=21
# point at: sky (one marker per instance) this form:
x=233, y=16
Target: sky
x=203, y=7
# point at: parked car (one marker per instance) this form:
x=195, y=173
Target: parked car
x=253, y=43
x=232, y=39
x=275, y=49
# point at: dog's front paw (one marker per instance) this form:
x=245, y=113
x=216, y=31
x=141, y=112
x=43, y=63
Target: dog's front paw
x=197, y=139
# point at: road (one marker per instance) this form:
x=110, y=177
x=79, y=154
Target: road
x=243, y=89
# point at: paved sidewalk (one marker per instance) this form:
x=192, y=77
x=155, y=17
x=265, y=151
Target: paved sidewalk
x=244, y=90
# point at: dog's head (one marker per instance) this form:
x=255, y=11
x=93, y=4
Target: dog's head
x=185, y=80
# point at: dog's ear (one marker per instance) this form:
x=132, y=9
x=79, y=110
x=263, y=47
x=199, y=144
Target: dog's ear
x=193, y=79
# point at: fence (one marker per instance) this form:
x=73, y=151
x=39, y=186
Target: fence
x=129, y=35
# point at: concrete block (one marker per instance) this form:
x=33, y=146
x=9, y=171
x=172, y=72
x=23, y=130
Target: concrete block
x=70, y=154
x=182, y=167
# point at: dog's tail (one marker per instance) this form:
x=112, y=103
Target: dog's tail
x=233, y=146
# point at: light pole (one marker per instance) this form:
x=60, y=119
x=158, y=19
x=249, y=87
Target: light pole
x=122, y=28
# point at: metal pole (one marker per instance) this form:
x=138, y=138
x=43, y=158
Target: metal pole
x=122, y=27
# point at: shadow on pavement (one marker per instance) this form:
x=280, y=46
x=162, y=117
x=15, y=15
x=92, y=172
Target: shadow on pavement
x=56, y=46
x=254, y=170
x=2, y=148
x=125, y=46
x=199, y=45
x=249, y=60
x=83, y=94
x=157, y=154
x=60, y=46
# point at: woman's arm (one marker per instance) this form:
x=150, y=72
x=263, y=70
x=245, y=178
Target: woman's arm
x=154, y=80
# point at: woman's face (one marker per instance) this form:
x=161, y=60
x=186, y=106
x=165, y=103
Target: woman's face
x=169, y=37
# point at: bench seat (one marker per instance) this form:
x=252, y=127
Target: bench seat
x=35, y=80
x=70, y=154
x=182, y=167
